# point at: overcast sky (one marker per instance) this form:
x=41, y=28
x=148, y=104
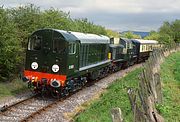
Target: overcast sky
x=120, y=15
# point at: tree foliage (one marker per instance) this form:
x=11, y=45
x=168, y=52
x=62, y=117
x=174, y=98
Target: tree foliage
x=170, y=31
x=153, y=35
x=167, y=33
x=111, y=33
x=130, y=35
x=10, y=48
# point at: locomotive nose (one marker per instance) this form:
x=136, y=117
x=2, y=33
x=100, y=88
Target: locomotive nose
x=55, y=83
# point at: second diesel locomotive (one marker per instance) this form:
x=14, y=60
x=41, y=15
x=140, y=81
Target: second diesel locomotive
x=61, y=62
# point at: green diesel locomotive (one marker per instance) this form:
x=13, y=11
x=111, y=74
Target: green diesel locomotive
x=62, y=61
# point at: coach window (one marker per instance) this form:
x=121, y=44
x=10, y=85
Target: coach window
x=146, y=47
x=130, y=45
x=149, y=47
x=142, y=48
x=72, y=48
x=34, y=43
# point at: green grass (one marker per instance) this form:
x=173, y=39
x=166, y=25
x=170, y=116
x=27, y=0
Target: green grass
x=115, y=96
x=170, y=77
x=12, y=88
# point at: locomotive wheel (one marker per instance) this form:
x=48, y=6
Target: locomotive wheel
x=43, y=92
x=31, y=88
x=56, y=94
x=80, y=85
x=65, y=92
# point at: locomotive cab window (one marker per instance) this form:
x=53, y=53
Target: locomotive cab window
x=58, y=45
x=72, y=48
x=34, y=43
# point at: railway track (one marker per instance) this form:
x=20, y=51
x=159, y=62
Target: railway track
x=25, y=109
x=32, y=108
x=29, y=108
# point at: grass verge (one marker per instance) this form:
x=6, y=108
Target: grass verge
x=170, y=77
x=115, y=96
x=12, y=88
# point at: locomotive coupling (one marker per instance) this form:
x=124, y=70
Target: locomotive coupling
x=44, y=81
x=25, y=79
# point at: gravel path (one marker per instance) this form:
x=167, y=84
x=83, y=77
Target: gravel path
x=59, y=112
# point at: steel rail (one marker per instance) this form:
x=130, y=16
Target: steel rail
x=6, y=107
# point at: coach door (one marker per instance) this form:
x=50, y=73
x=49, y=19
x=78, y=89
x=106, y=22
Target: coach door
x=73, y=57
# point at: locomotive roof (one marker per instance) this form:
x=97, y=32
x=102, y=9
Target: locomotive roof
x=142, y=41
x=67, y=35
x=116, y=45
x=91, y=38
x=126, y=40
x=84, y=37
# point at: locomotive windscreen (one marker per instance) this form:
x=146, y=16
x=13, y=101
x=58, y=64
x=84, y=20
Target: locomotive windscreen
x=34, y=43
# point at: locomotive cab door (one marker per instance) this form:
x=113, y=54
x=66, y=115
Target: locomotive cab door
x=73, y=58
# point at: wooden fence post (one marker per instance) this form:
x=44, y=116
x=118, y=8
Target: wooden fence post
x=158, y=87
x=116, y=115
x=149, y=92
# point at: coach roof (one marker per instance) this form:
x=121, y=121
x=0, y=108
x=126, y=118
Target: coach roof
x=142, y=41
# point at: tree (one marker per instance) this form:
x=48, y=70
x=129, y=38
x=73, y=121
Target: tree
x=111, y=33
x=27, y=19
x=10, y=48
x=166, y=33
x=83, y=25
x=170, y=32
x=153, y=35
x=130, y=35
x=165, y=39
x=54, y=18
x=176, y=30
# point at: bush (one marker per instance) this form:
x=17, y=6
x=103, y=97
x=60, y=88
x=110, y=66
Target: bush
x=10, y=48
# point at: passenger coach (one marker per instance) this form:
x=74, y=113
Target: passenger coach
x=143, y=48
